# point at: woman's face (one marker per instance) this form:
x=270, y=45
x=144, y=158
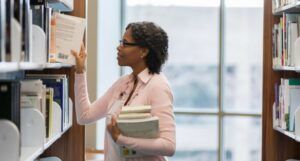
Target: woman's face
x=129, y=54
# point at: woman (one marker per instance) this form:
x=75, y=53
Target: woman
x=144, y=48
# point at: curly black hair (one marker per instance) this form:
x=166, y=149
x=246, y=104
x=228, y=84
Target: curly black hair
x=153, y=37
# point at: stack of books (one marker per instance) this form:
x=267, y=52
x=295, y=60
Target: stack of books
x=137, y=122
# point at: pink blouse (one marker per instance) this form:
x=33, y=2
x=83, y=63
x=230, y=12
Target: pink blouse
x=152, y=89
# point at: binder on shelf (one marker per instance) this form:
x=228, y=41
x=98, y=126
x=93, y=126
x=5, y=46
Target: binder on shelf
x=9, y=142
x=10, y=101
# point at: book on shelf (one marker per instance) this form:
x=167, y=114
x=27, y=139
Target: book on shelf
x=69, y=32
x=59, y=83
x=10, y=101
x=34, y=94
x=38, y=12
x=49, y=111
x=286, y=103
x=2, y=30
x=38, y=2
x=8, y=29
x=26, y=54
x=285, y=34
x=137, y=122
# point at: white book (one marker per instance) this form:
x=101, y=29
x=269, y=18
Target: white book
x=294, y=92
x=136, y=109
x=31, y=101
x=138, y=128
x=293, y=36
x=134, y=116
x=35, y=88
x=68, y=36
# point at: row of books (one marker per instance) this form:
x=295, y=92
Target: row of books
x=286, y=42
x=287, y=101
x=31, y=31
x=37, y=91
x=281, y=3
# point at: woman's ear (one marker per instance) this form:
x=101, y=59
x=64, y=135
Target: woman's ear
x=144, y=52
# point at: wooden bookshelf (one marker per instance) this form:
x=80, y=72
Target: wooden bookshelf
x=276, y=146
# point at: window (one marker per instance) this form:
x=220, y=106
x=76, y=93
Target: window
x=215, y=70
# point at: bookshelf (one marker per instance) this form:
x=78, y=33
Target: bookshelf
x=292, y=7
x=277, y=144
x=68, y=145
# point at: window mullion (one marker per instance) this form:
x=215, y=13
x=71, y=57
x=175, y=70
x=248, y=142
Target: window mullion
x=220, y=75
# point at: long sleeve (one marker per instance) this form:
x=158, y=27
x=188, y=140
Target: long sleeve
x=87, y=112
x=161, y=100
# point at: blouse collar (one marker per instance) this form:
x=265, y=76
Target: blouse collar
x=143, y=76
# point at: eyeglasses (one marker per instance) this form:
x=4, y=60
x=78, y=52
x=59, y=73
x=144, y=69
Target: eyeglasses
x=125, y=44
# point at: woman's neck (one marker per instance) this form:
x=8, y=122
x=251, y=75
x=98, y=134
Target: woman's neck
x=138, y=69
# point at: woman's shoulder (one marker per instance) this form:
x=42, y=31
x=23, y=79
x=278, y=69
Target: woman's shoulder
x=160, y=80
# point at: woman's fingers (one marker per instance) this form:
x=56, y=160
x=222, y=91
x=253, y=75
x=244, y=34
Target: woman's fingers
x=82, y=49
x=74, y=53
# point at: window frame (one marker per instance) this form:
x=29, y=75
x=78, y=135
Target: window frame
x=221, y=112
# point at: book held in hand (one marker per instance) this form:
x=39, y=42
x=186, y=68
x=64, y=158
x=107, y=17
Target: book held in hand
x=69, y=31
x=137, y=122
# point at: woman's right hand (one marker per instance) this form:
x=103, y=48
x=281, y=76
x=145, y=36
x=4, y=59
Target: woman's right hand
x=80, y=59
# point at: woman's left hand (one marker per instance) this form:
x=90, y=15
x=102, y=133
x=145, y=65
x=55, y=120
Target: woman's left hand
x=113, y=129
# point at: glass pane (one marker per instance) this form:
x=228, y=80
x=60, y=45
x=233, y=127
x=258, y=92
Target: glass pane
x=192, y=68
x=242, y=139
x=243, y=56
x=197, y=138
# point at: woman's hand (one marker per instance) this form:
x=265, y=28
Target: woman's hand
x=113, y=129
x=80, y=59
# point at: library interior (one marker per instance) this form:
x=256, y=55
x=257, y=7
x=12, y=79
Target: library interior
x=149, y=80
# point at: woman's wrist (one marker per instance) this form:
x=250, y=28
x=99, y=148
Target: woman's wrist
x=79, y=71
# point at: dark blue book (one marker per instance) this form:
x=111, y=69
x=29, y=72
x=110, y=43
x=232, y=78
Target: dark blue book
x=10, y=101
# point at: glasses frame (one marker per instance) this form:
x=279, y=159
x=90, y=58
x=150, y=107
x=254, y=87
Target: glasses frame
x=125, y=44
